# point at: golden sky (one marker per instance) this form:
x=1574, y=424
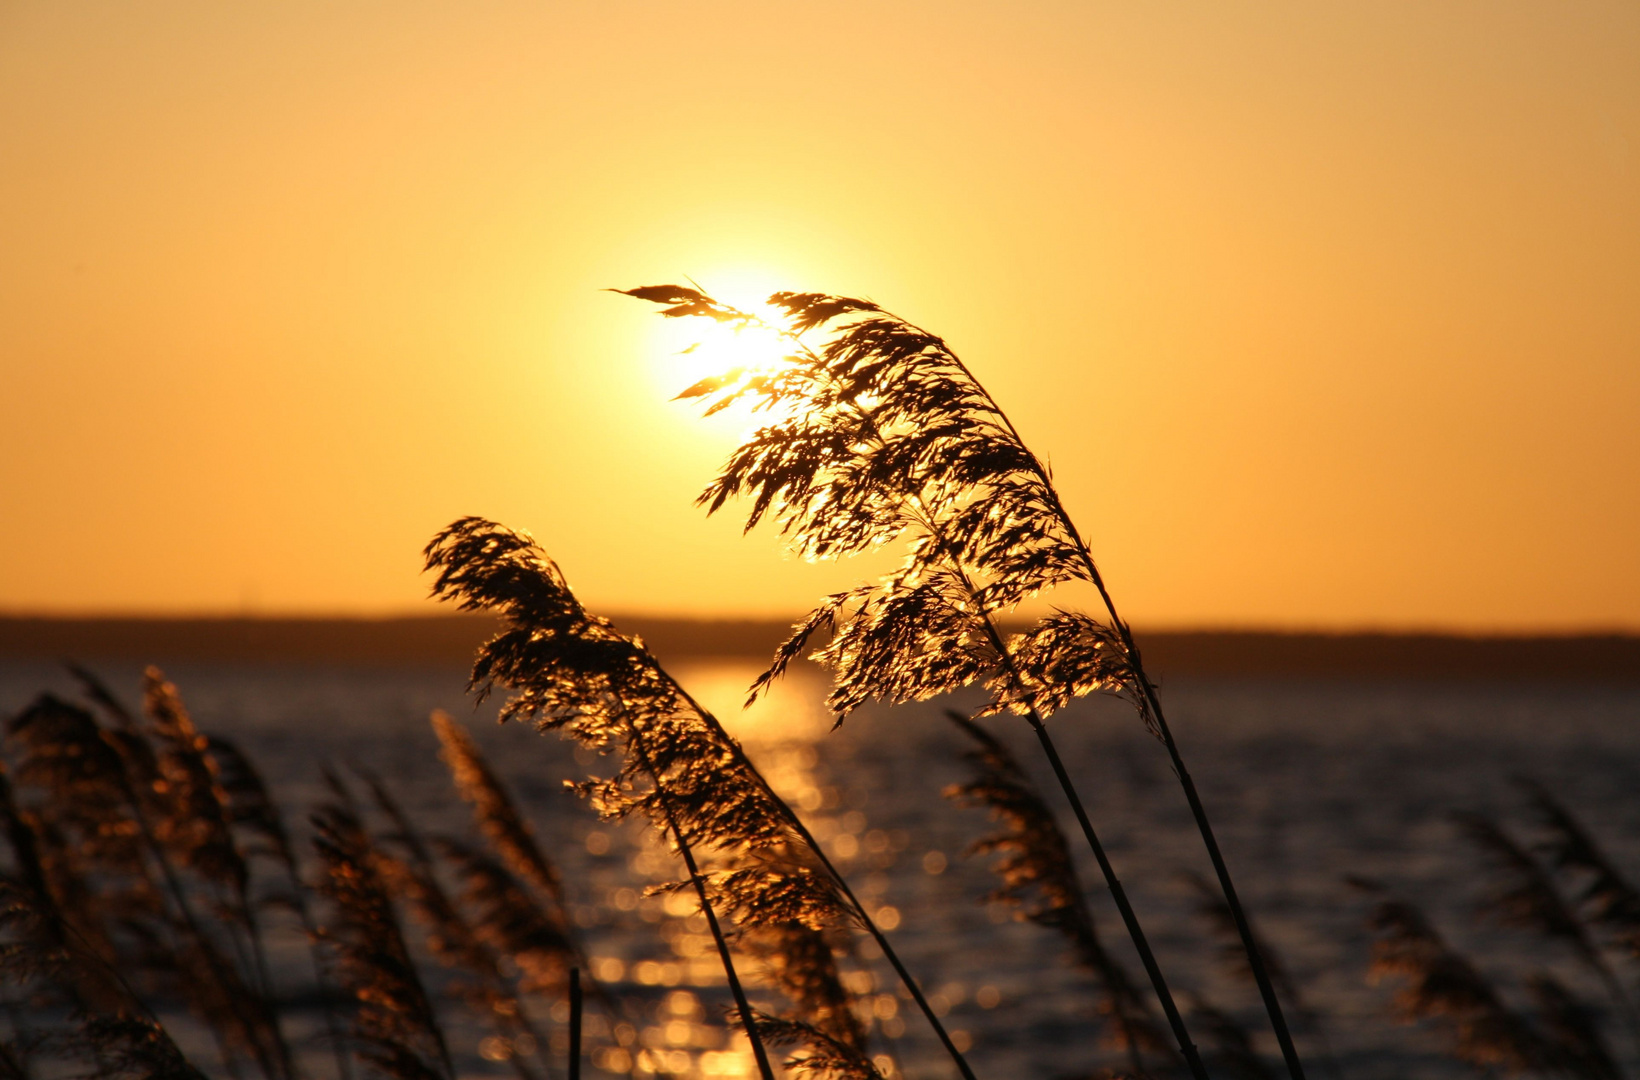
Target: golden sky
x=1325, y=314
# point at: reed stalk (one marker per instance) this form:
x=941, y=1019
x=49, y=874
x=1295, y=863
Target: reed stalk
x=395, y=1023
x=575, y=672
x=884, y=432
x=575, y=1023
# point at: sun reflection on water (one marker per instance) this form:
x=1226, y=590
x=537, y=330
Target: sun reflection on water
x=791, y=710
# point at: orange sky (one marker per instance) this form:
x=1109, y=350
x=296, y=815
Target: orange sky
x=1326, y=314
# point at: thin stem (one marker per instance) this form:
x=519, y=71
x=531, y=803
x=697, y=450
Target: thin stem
x=1175, y=1021
x=1249, y=944
x=747, y=1018
x=574, y=1023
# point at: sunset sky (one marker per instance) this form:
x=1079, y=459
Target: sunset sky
x=1326, y=314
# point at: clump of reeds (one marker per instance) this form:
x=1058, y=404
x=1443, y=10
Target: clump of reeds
x=132, y=890
x=1561, y=1034
x=129, y=839
x=878, y=433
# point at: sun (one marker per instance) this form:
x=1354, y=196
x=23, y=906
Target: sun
x=690, y=350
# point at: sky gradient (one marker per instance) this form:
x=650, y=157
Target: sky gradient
x=1325, y=315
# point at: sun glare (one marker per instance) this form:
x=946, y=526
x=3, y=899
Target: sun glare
x=690, y=350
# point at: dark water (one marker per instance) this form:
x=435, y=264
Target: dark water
x=1306, y=782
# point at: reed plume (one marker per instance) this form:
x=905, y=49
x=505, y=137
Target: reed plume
x=779, y=926
x=574, y=672
x=394, y=1024
x=1039, y=879
x=1528, y=898
x=450, y=935
x=136, y=1047
x=1442, y=986
x=195, y=822
x=823, y=1057
x=498, y=819
x=1614, y=903
x=882, y=433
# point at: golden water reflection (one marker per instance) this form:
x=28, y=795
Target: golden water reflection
x=679, y=969
x=793, y=709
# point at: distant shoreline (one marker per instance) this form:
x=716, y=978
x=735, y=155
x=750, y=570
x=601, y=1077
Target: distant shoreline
x=441, y=640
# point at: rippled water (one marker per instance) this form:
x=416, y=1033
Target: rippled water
x=1306, y=782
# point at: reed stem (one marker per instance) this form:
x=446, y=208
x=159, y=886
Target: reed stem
x=1191, y=1056
x=1249, y=944
x=574, y=1023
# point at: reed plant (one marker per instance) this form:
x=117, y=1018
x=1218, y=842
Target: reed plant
x=879, y=432
x=576, y=673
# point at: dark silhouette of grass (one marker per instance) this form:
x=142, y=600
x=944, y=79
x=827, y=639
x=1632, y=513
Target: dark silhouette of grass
x=105, y=939
x=880, y=433
x=574, y=672
x=1039, y=879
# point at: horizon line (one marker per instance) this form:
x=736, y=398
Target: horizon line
x=1208, y=627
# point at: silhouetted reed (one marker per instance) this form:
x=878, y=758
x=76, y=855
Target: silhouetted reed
x=451, y=936
x=1442, y=986
x=67, y=964
x=1039, y=880
x=1613, y=903
x=882, y=433
x=1527, y=898
x=493, y=808
x=394, y=1024
x=823, y=1055
x=574, y=672
x=115, y=819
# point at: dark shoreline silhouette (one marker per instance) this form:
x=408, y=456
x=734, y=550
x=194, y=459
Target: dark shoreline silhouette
x=451, y=639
